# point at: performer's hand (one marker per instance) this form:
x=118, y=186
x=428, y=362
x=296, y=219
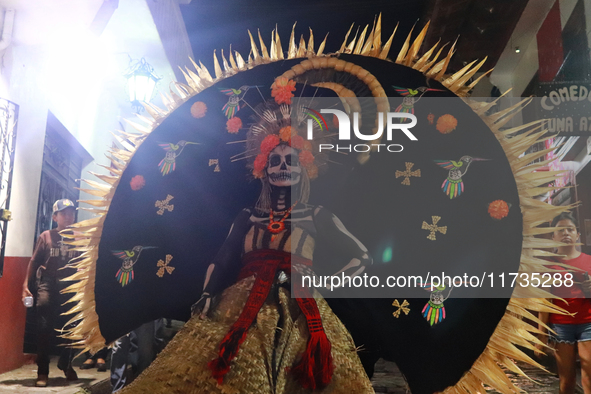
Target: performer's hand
x=201, y=307
x=26, y=293
x=586, y=286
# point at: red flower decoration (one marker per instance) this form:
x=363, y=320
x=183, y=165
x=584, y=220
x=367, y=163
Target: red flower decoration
x=282, y=90
x=498, y=209
x=198, y=109
x=137, y=182
x=269, y=143
x=446, y=124
x=306, y=158
x=259, y=165
x=430, y=118
x=335, y=121
x=234, y=124
x=297, y=142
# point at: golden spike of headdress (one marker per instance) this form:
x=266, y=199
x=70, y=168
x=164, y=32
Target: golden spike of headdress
x=466, y=77
x=138, y=127
x=216, y=66
x=416, y=45
x=278, y=44
x=232, y=61
x=322, y=45
x=227, y=67
x=188, y=78
x=447, y=60
x=369, y=42
x=197, y=81
x=291, y=52
x=167, y=101
x=386, y=48
x=405, y=46
x=184, y=91
x=263, y=47
x=253, y=48
x=311, y=42
x=239, y=60
x=344, y=45
x=302, y=48
x=273, y=49
x=453, y=78
x=429, y=66
x=204, y=73
x=351, y=45
x=473, y=84
x=377, y=38
x=426, y=56
x=361, y=41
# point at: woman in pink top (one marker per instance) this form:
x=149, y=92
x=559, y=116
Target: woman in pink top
x=573, y=333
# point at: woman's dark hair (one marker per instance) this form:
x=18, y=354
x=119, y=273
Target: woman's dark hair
x=565, y=216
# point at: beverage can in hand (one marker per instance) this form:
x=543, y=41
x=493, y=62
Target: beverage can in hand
x=28, y=301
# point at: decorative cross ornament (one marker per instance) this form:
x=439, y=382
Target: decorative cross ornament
x=408, y=173
x=216, y=163
x=164, y=266
x=433, y=228
x=401, y=307
x=163, y=205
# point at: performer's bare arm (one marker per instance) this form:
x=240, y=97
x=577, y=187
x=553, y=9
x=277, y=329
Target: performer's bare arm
x=224, y=266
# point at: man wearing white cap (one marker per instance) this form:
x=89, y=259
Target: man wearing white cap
x=49, y=259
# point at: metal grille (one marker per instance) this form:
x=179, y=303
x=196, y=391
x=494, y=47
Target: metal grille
x=8, y=123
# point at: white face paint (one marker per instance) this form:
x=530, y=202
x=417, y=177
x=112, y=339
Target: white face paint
x=437, y=298
x=284, y=166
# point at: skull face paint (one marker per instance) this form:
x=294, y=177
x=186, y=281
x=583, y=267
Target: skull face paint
x=284, y=166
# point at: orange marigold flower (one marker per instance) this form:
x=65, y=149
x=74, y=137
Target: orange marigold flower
x=259, y=163
x=258, y=174
x=297, y=142
x=498, y=209
x=198, y=109
x=307, y=145
x=430, y=118
x=282, y=90
x=137, y=182
x=446, y=124
x=306, y=158
x=234, y=124
x=286, y=133
x=269, y=143
x=312, y=171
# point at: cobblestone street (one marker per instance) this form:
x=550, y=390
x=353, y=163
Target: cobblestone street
x=387, y=380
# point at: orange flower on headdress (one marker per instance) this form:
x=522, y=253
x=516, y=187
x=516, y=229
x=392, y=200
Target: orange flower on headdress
x=269, y=143
x=198, y=109
x=286, y=133
x=259, y=165
x=137, y=182
x=306, y=158
x=446, y=124
x=307, y=145
x=282, y=90
x=234, y=124
x=498, y=209
x=297, y=142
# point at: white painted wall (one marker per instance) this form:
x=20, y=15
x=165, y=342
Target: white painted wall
x=55, y=64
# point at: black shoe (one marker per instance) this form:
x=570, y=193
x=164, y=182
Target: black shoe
x=88, y=365
x=71, y=374
x=101, y=367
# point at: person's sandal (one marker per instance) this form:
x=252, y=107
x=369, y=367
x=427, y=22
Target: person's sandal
x=41, y=381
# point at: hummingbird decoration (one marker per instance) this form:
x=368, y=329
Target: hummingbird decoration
x=233, y=104
x=453, y=186
x=168, y=164
x=411, y=97
x=125, y=274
